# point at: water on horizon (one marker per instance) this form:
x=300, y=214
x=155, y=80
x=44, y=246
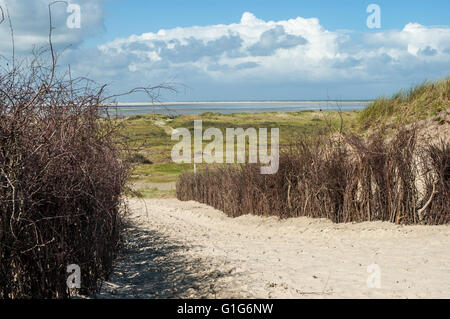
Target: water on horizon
x=178, y=109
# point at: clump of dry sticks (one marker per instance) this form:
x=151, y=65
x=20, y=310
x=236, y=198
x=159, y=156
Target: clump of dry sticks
x=345, y=179
x=61, y=178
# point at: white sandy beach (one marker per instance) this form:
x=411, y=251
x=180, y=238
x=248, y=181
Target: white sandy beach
x=180, y=249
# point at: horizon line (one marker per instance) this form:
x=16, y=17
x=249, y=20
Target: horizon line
x=241, y=102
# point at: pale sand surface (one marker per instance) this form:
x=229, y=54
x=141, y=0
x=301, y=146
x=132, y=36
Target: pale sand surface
x=167, y=186
x=180, y=249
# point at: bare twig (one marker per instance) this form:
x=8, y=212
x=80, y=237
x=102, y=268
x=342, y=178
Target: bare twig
x=420, y=211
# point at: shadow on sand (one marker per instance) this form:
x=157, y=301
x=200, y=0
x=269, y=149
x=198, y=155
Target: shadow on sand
x=152, y=266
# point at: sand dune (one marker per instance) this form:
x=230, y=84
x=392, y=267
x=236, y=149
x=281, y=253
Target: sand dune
x=180, y=249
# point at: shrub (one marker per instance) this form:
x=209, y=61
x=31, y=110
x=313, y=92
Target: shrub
x=345, y=179
x=437, y=165
x=138, y=158
x=61, y=180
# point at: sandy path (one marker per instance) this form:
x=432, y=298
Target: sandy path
x=164, y=186
x=186, y=249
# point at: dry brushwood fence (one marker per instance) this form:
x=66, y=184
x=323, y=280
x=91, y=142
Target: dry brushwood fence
x=61, y=182
x=61, y=178
x=346, y=179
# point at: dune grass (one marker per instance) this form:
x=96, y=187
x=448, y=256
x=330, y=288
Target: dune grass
x=429, y=99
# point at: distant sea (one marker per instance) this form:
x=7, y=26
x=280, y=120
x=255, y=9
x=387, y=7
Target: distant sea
x=178, y=108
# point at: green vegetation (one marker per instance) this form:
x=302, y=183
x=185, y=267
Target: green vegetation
x=429, y=99
x=159, y=173
x=150, y=136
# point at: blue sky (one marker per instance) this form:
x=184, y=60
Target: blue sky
x=123, y=18
x=244, y=50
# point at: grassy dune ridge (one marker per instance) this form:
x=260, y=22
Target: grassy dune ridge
x=429, y=99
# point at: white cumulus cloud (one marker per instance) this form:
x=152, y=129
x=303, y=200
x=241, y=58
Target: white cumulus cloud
x=30, y=22
x=252, y=58
x=296, y=49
